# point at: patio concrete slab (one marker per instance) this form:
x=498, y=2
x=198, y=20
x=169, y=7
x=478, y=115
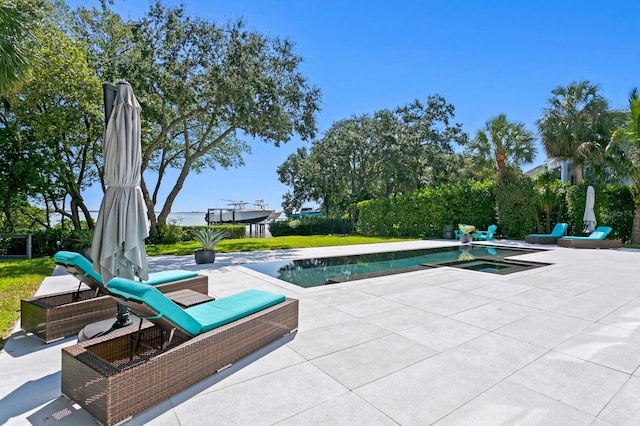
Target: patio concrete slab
x=508, y=403
x=556, y=345
x=443, y=334
x=369, y=361
x=583, y=385
x=605, y=345
x=494, y=315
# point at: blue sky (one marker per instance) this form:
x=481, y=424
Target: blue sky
x=484, y=57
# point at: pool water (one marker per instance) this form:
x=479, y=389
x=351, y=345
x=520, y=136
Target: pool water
x=330, y=270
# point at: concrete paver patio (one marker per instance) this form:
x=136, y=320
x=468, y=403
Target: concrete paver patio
x=557, y=345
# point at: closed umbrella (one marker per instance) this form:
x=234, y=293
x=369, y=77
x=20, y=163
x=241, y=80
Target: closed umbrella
x=589, y=217
x=118, y=248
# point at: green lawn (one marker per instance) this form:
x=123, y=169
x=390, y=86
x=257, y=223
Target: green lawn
x=274, y=243
x=19, y=279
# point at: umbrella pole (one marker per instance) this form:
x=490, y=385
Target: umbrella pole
x=122, y=317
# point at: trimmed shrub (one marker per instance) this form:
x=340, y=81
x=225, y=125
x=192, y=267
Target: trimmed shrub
x=233, y=231
x=516, y=204
x=311, y=226
x=424, y=213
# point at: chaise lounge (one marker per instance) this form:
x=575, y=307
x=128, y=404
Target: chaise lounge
x=59, y=315
x=595, y=240
x=558, y=231
x=115, y=377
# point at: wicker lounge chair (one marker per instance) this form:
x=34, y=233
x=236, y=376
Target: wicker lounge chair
x=56, y=316
x=116, y=377
x=595, y=240
x=485, y=235
x=552, y=238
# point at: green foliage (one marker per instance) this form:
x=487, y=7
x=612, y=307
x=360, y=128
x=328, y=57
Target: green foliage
x=207, y=89
x=466, y=229
x=233, y=231
x=81, y=238
x=170, y=233
x=618, y=211
x=501, y=144
x=311, y=226
x=209, y=237
x=425, y=212
x=15, y=55
x=49, y=240
x=515, y=203
x=390, y=153
x=576, y=124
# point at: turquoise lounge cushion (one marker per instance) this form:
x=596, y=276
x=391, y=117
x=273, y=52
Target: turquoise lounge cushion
x=73, y=259
x=164, y=277
x=85, y=267
x=557, y=232
x=228, y=309
x=199, y=318
x=599, y=233
x=134, y=290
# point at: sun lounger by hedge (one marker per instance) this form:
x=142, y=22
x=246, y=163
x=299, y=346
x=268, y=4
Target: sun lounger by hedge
x=117, y=376
x=595, y=240
x=552, y=238
x=55, y=316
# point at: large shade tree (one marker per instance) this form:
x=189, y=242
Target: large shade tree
x=501, y=143
x=206, y=91
x=388, y=153
x=575, y=123
x=624, y=157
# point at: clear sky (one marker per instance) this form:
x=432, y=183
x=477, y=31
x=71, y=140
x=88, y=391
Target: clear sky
x=484, y=57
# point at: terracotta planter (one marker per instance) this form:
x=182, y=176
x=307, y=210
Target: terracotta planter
x=205, y=256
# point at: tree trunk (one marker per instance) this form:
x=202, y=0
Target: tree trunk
x=635, y=230
x=579, y=174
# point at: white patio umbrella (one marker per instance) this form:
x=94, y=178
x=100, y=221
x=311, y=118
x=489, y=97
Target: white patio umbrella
x=589, y=217
x=118, y=248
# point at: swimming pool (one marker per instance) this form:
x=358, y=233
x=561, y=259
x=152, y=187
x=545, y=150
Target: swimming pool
x=330, y=270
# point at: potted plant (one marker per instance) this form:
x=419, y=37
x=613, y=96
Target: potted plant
x=208, y=238
x=466, y=230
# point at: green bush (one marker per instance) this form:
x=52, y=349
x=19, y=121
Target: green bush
x=171, y=233
x=232, y=231
x=427, y=211
x=516, y=204
x=310, y=226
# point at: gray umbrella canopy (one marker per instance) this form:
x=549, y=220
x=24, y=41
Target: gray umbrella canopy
x=589, y=217
x=118, y=247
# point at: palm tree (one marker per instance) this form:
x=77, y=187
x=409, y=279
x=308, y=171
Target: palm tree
x=15, y=58
x=623, y=153
x=575, y=122
x=501, y=144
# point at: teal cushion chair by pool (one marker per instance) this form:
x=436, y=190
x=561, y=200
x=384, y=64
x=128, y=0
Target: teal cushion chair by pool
x=116, y=377
x=485, y=235
x=600, y=233
x=58, y=315
x=148, y=303
x=558, y=231
x=595, y=240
